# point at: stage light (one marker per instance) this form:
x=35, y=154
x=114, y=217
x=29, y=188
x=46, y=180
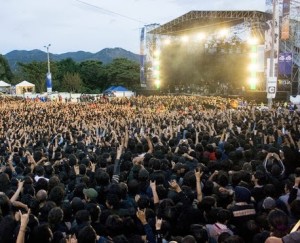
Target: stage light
x=156, y=62
x=156, y=53
x=201, y=36
x=184, y=38
x=252, y=67
x=156, y=73
x=167, y=41
x=157, y=83
x=223, y=32
x=253, y=41
x=252, y=83
x=253, y=55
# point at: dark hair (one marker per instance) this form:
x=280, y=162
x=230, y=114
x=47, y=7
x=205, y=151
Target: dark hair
x=82, y=169
x=42, y=233
x=82, y=216
x=223, y=236
x=234, y=239
x=55, y=216
x=223, y=215
x=41, y=184
x=113, y=200
x=121, y=239
x=114, y=225
x=94, y=211
x=188, y=239
x=43, y=214
x=199, y=232
x=5, y=205
x=278, y=221
x=87, y=235
x=7, y=227
x=57, y=195
x=39, y=170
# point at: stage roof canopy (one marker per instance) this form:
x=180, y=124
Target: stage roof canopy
x=211, y=20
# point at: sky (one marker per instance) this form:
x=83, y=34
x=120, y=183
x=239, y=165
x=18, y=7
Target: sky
x=92, y=25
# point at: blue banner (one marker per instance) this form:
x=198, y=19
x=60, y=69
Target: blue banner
x=285, y=63
x=49, y=82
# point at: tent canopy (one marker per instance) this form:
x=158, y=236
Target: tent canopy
x=116, y=89
x=25, y=84
x=4, y=84
x=25, y=87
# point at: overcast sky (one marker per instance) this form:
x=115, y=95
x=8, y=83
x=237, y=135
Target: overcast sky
x=91, y=25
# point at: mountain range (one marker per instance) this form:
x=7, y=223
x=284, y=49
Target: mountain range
x=105, y=56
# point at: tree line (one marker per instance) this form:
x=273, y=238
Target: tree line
x=90, y=76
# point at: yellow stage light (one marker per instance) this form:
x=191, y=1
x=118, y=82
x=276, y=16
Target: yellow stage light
x=223, y=32
x=201, y=36
x=184, y=38
x=167, y=41
x=252, y=67
x=253, y=41
x=156, y=53
x=157, y=83
x=156, y=62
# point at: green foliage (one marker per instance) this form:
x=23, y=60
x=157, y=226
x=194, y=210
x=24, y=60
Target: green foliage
x=71, y=83
x=65, y=66
x=93, y=75
x=124, y=72
x=35, y=72
x=89, y=76
x=5, y=72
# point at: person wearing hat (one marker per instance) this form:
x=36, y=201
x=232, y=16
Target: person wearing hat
x=90, y=194
x=242, y=210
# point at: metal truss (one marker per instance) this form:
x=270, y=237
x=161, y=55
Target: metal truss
x=195, y=20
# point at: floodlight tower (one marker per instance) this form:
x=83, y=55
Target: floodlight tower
x=48, y=76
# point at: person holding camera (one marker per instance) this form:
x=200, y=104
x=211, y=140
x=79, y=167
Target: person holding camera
x=273, y=165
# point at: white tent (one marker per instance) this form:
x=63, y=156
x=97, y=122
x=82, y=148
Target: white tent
x=4, y=87
x=24, y=87
x=4, y=84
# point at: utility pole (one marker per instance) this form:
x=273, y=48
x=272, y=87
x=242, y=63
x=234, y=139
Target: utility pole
x=48, y=76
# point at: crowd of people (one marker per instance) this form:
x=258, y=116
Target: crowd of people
x=149, y=169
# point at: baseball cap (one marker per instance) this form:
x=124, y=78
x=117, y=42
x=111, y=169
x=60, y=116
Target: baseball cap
x=90, y=193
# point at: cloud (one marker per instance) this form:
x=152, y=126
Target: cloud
x=71, y=25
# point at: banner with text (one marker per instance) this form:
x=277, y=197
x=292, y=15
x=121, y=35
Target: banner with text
x=272, y=42
x=285, y=63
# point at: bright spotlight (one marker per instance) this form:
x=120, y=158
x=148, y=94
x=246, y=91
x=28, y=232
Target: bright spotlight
x=252, y=67
x=184, y=38
x=201, y=36
x=156, y=73
x=253, y=55
x=252, y=81
x=223, y=32
x=167, y=41
x=156, y=53
x=156, y=62
x=253, y=41
x=157, y=83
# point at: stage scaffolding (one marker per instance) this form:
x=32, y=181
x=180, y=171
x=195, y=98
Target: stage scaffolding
x=197, y=20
